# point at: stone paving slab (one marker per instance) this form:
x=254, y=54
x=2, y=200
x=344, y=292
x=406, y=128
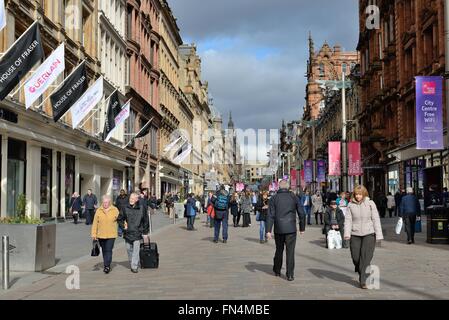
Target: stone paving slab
x=192, y=267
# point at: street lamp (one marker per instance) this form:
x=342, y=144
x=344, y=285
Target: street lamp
x=342, y=85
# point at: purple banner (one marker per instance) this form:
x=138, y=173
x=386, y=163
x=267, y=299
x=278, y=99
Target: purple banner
x=429, y=113
x=308, y=171
x=321, y=171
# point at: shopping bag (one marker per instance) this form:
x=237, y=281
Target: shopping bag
x=399, y=226
x=338, y=240
x=95, y=249
x=418, y=225
x=331, y=240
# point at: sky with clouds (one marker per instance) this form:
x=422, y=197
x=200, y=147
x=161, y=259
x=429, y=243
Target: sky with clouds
x=254, y=52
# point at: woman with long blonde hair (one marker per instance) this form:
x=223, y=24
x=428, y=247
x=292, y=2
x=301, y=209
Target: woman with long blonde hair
x=363, y=229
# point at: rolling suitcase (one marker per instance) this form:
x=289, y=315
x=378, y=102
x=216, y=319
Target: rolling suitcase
x=149, y=255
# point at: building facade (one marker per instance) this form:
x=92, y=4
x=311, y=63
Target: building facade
x=143, y=41
x=41, y=159
x=409, y=43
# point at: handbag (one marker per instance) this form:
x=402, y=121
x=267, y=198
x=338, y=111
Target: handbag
x=95, y=249
x=418, y=225
x=399, y=226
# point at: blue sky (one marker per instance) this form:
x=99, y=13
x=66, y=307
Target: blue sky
x=254, y=52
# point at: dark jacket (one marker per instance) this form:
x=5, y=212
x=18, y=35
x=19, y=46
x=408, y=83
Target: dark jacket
x=90, y=201
x=234, y=207
x=137, y=220
x=262, y=212
x=121, y=202
x=190, y=208
x=153, y=203
x=282, y=213
x=397, y=199
x=143, y=202
x=75, y=204
x=328, y=218
x=381, y=201
x=410, y=206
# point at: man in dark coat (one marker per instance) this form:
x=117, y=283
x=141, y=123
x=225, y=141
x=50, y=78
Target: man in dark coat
x=409, y=210
x=397, y=199
x=90, y=204
x=134, y=220
x=122, y=200
x=282, y=214
x=334, y=219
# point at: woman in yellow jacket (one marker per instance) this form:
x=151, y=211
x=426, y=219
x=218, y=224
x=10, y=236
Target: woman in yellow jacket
x=104, y=229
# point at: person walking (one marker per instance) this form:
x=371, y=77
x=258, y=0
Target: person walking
x=391, y=204
x=234, y=204
x=410, y=209
x=381, y=203
x=75, y=206
x=254, y=200
x=169, y=203
x=104, y=230
x=210, y=211
x=221, y=207
x=306, y=201
x=317, y=207
x=362, y=229
x=190, y=211
x=90, y=204
x=283, y=208
x=334, y=219
x=152, y=204
x=247, y=207
x=262, y=207
x=134, y=221
x=397, y=200
x=121, y=202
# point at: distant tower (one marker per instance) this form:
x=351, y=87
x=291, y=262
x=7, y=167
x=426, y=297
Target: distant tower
x=230, y=122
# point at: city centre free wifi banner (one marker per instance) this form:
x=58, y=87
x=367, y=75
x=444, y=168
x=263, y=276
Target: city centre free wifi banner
x=73, y=88
x=20, y=59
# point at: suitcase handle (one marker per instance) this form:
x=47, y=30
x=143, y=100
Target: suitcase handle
x=146, y=240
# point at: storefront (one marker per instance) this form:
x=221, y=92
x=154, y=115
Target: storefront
x=47, y=162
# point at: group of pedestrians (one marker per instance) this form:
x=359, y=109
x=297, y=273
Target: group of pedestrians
x=127, y=217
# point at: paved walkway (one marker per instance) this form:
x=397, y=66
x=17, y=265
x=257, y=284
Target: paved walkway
x=192, y=267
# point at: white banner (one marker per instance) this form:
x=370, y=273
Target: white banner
x=87, y=102
x=44, y=76
x=2, y=14
x=121, y=117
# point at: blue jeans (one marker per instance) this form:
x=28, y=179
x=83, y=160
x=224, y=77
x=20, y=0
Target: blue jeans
x=262, y=230
x=190, y=222
x=225, y=228
x=308, y=214
x=106, y=248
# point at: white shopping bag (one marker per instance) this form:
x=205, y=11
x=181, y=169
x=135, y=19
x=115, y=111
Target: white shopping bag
x=399, y=226
x=334, y=240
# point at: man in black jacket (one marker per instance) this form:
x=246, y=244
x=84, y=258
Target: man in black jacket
x=90, y=204
x=283, y=209
x=134, y=220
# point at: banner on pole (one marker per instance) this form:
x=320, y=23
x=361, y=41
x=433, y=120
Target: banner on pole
x=293, y=179
x=354, y=159
x=72, y=89
x=308, y=171
x=302, y=180
x=429, y=113
x=335, y=158
x=321, y=171
x=20, y=59
x=45, y=75
x=87, y=102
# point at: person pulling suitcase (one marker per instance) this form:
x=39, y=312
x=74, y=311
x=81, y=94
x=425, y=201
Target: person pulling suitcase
x=134, y=221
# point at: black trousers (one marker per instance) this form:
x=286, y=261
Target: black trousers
x=90, y=213
x=321, y=217
x=362, y=252
x=410, y=222
x=391, y=211
x=289, y=242
x=246, y=220
x=236, y=219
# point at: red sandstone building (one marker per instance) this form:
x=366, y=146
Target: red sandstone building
x=409, y=43
x=143, y=49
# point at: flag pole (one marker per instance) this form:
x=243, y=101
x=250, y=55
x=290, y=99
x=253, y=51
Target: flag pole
x=132, y=139
x=59, y=85
x=21, y=36
x=11, y=95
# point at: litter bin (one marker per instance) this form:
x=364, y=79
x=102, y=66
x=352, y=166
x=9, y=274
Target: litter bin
x=437, y=225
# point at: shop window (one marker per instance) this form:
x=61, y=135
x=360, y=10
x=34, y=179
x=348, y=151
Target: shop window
x=69, y=179
x=117, y=181
x=46, y=182
x=16, y=174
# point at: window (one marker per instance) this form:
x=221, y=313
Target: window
x=16, y=174
x=153, y=147
x=322, y=70
x=428, y=45
x=129, y=22
x=85, y=33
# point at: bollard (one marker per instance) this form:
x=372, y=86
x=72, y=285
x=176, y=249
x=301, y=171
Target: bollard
x=5, y=262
